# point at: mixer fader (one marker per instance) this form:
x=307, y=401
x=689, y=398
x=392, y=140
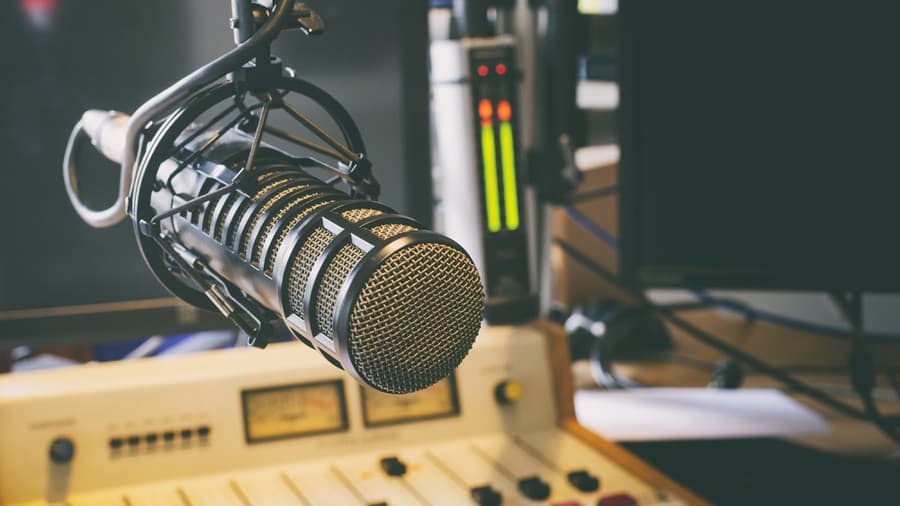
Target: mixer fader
x=280, y=427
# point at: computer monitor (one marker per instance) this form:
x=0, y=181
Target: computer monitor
x=759, y=145
x=60, y=278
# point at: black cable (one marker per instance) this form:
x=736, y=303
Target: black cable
x=722, y=346
x=862, y=374
x=804, y=369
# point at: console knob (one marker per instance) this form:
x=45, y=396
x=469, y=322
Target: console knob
x=486, y=496
x=583, y=481
x=617, y=500
x=508, y=392
x=534, y=488
x=393, y=466
x=62, y=450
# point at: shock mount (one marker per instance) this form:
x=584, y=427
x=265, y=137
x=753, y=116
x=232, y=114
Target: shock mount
x=240, y=90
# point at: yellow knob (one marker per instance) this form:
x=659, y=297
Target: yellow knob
x=508, y=392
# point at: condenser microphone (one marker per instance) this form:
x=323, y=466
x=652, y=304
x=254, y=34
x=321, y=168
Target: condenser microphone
x=228, y=215
x=394, y=304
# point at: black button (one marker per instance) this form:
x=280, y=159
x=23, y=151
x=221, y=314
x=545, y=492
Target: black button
x=393, y=466
x=115, y=443
x=151, y=438
x=486, y=496
x=534, y=488
x=203, y=431
x=62, y=450
x=584, y=481
x=169, y=436
x=134, y=440
x=186, y=433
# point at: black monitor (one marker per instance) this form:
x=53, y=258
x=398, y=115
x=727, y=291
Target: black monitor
x=760, y=145
x=60, y=278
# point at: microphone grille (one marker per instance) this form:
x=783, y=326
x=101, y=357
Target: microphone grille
x=416, y=317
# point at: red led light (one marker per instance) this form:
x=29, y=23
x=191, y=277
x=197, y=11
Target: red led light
x=482, y=70
x=500, y=68
x=485, y=109
x=504, y=110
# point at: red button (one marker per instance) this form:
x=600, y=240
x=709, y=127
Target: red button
x=618, y=500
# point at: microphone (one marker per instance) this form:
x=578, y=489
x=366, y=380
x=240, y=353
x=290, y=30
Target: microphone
x=230, y=222
x=394, y=304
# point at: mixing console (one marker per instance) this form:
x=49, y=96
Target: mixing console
x=281, y=427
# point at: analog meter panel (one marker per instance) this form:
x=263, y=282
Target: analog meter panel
x=437, y=401
x=294, y=410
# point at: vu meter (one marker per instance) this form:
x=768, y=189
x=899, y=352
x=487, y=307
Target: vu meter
x=480, y=179
x=294, y=410
x=437, y=401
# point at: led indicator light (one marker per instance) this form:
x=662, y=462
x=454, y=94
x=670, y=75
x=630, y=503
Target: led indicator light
x=491, y=185
x=482, y=70
x=500, y=68
x=510, y=190
x=504, y=110
x=485, y=109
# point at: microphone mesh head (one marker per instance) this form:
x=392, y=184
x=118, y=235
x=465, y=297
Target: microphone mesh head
x=416, y=317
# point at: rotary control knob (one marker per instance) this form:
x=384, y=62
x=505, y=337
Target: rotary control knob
x=62, y=450
x=508, y=392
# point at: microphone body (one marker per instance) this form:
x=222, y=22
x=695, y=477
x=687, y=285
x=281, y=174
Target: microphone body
x=394, y=304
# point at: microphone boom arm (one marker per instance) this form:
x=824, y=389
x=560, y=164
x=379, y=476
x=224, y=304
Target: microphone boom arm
x=160, y=104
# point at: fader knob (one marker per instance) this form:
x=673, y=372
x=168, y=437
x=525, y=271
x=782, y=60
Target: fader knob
x=486, y=496
x=534, y=488
x=617, y=500
x=583, y=481
x=392, y=466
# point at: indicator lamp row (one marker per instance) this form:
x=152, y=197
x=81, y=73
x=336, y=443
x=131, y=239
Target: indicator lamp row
x=486, y=110
x=483, y=70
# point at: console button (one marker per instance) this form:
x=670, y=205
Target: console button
x=486, y=496
x=583, y=481
x=534, y=488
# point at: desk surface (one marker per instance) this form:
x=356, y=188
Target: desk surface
x=856, y=464
x=778, y=346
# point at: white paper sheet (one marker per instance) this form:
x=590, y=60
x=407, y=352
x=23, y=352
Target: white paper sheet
x=653, y=414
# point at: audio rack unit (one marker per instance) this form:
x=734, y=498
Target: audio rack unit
x=479, y=183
